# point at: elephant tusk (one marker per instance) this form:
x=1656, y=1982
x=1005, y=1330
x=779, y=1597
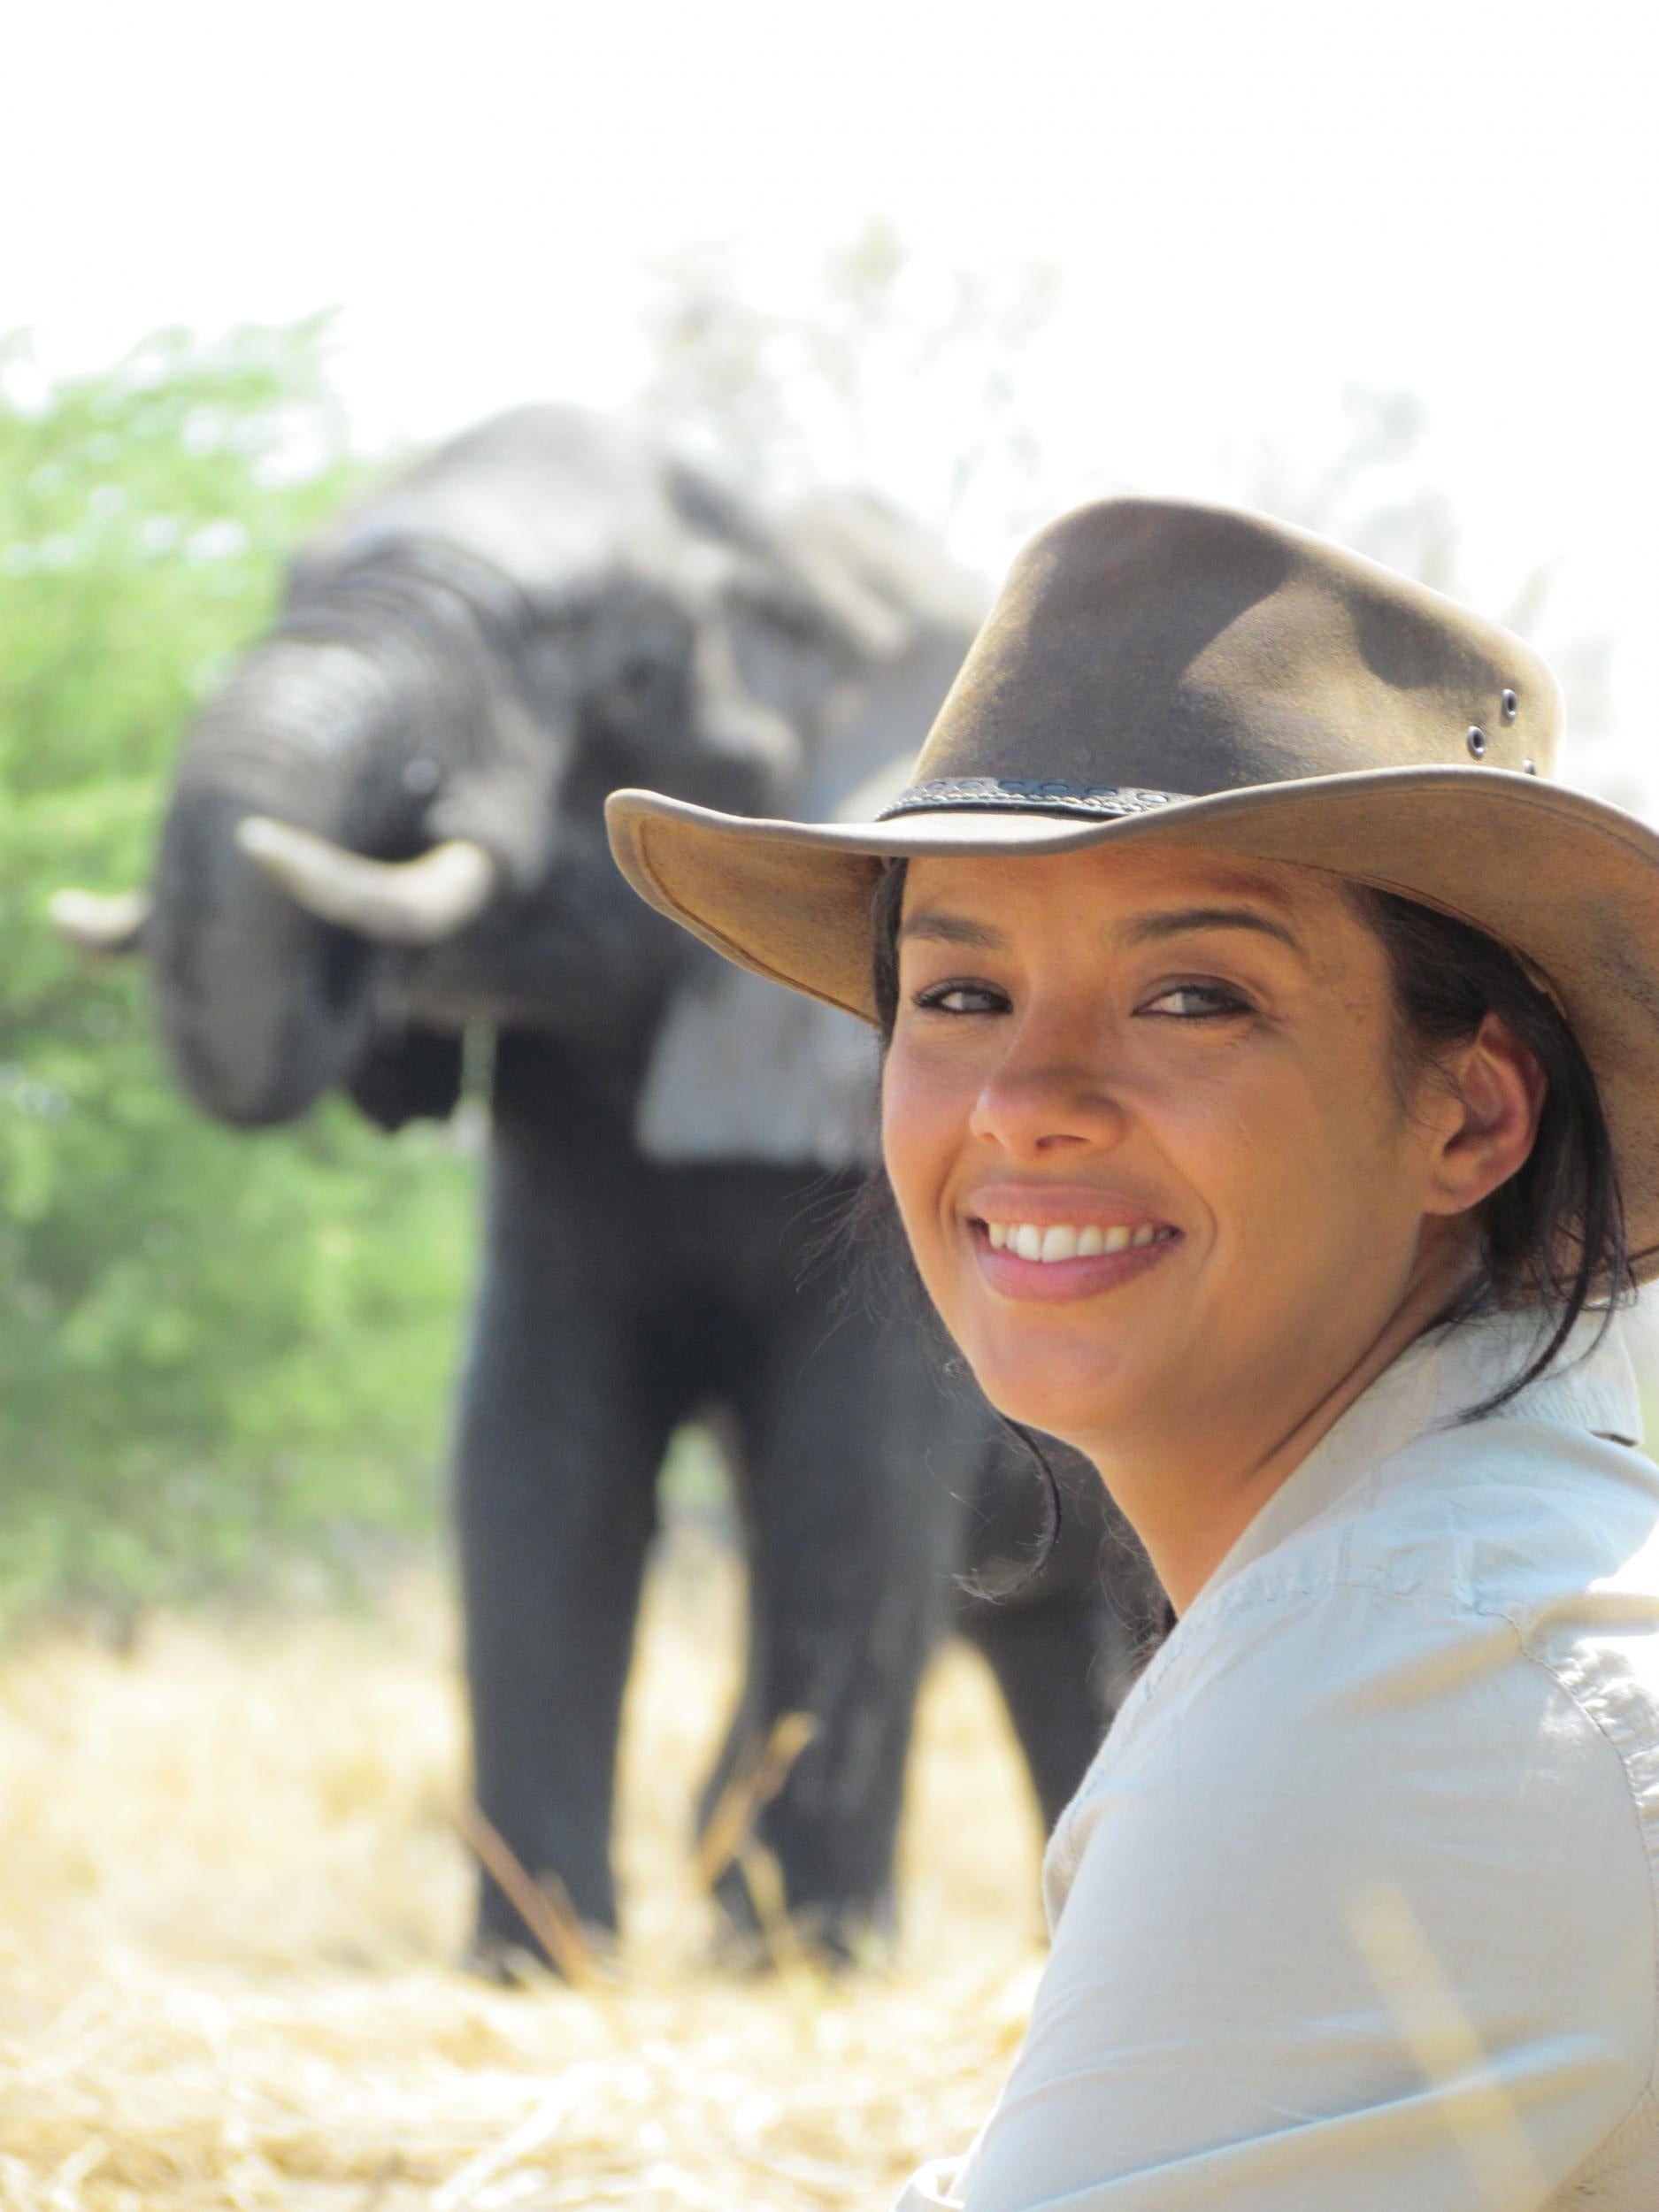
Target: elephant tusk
x=93, y=922
x=393, y=902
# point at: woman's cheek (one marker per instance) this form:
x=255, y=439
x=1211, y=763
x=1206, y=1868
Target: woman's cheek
x=923, y=1126
x=902, y=1139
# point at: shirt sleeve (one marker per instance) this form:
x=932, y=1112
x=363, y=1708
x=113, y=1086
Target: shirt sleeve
x=1361, y=1917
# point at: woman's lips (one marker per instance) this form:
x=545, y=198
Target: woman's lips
x=1007, y=1255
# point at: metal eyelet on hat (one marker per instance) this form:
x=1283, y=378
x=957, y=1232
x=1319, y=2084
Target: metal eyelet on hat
x=1529, y=767
x=1478, y=744
x=1511, y=706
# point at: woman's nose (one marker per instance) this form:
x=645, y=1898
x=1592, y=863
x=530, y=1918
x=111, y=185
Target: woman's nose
x=1033, y=1108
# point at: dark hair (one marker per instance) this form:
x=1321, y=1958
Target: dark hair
x=1552, y=1237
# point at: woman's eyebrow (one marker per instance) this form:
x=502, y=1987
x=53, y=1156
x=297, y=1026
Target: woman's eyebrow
x=952, y=929
x=957, y=929
x=1152, y=928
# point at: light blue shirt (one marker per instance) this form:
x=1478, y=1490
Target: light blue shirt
x=1355, y=1910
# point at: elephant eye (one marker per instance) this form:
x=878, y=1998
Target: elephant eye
x=643, y=676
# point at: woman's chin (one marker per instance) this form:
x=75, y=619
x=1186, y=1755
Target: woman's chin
x=1066, y=1405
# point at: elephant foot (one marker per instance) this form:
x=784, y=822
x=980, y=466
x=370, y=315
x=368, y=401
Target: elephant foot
x=496, y=1959
x=757, y=1934
x=507, y=1959
x=834, y=1944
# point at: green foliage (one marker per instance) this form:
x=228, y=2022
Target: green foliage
x=215, y=1349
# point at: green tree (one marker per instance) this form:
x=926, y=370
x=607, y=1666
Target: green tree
x=214, y=1348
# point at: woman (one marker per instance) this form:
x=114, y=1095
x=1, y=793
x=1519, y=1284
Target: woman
x=1270, y=1060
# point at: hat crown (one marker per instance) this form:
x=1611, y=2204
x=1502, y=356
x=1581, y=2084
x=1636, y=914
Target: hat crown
x=1147, y=647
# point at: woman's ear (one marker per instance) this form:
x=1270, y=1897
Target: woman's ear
x=1497, y=1089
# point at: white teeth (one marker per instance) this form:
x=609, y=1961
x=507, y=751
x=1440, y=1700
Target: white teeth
x=1063, y=1242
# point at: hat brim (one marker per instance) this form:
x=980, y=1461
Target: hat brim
x=1567, y=881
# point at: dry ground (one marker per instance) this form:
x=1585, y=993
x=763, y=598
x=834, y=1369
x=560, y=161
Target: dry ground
x=231, y=1894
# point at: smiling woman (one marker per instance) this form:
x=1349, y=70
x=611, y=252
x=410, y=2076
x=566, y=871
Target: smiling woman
x=1269, y=1052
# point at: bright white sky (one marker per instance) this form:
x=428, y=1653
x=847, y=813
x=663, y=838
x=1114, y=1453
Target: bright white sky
x=1252, y=210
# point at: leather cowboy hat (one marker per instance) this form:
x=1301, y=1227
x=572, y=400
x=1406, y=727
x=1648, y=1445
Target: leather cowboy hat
x=1158, y=670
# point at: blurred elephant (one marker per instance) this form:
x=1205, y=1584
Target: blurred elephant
x=386, y=830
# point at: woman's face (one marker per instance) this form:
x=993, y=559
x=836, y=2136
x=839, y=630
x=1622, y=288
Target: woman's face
x=1139, y=1118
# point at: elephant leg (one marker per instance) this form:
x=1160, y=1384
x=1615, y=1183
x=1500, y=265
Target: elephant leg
x=562, y=1432
x=853, y=1529
x=1066, y=1640
x=1053, y=1658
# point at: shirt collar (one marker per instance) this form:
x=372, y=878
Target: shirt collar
x=1590, y=1384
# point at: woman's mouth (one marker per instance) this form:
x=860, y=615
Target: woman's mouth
x=1059, y=1260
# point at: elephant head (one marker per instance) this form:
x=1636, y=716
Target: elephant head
x=386, y=826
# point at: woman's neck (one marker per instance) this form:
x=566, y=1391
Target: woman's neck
x=1190, y=1505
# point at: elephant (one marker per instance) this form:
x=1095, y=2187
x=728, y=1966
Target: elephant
x=384, y=838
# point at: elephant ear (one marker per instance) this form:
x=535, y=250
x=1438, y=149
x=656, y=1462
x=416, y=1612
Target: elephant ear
x=413, y=1075
x=744, y=1070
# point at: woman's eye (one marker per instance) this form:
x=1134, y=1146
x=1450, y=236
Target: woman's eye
x=1197, y=1001
x=960, y=998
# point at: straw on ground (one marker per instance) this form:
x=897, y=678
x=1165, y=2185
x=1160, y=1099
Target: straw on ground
x=232, y=1893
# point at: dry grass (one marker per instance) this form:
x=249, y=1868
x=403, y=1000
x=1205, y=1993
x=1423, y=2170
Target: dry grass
x=231, y=1891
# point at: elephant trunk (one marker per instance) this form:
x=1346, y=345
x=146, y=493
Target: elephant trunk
x=264, y=1004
